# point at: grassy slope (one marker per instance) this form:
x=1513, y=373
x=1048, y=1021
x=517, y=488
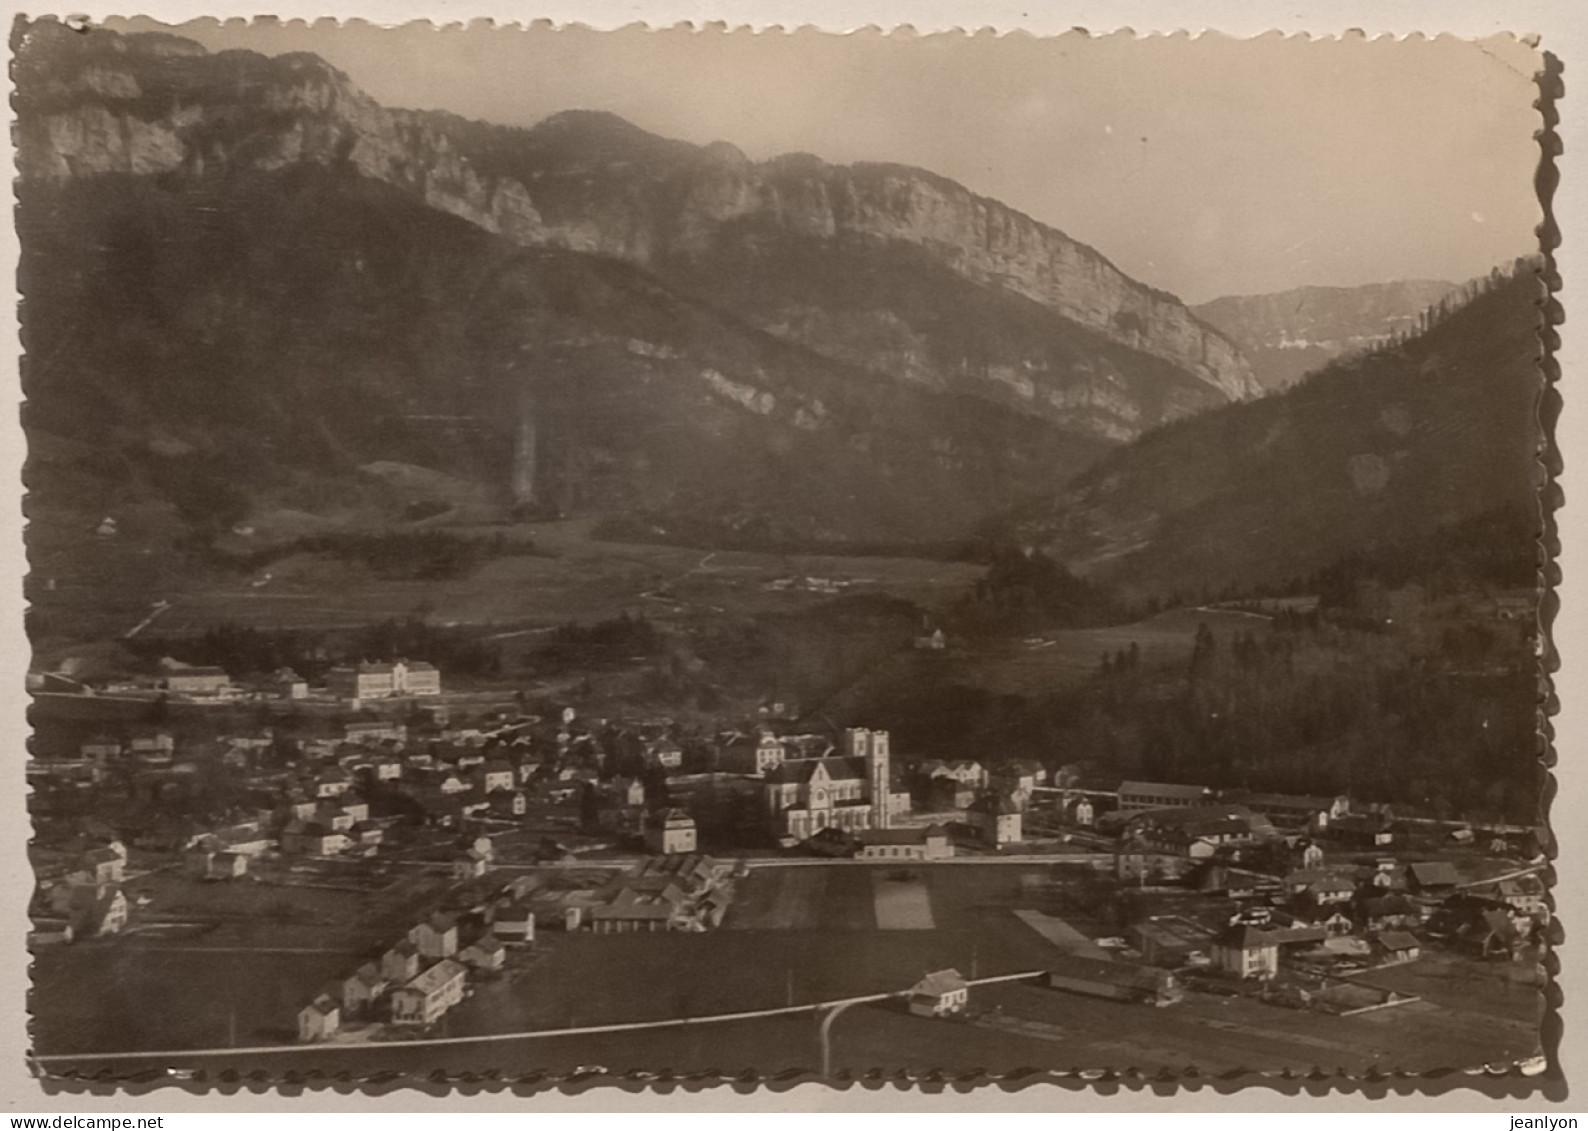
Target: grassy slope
x=251, y=328
x=1365, y=456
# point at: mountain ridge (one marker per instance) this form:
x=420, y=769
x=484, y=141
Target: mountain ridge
x=263, y=335
x=90, y=105
x=1365, y=456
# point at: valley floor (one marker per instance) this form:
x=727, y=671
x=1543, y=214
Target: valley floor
x=796, y=936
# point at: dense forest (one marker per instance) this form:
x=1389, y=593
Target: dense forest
x=244, y=651
x=1309, y=705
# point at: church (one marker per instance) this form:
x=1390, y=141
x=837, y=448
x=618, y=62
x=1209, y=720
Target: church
x=851, y=791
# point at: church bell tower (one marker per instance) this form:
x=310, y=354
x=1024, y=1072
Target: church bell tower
x=881, y=780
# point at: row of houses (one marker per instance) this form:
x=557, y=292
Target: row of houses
x=418, y=979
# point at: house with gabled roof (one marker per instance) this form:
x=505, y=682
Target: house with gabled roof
x=997, y=818
x=670, y=833
x=940, y=994
x=320, y=1019
x=436, y=937
x=400, y=963
x=1521, y=893
x=306, y=838
x=424, y=999
x=333, y=781
x=1328, y=889
x=1398, y=946
x=1246, y=952
x=754, y=754
x=360, y=990
x=1432, y=878
x=484, y=953
x=496, y=774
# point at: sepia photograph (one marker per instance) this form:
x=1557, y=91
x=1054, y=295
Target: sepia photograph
x=562, y=554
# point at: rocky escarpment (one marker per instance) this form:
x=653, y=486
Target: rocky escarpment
x=1064, y=334
x=602, y=185
x=994, y=245
x=151, y=104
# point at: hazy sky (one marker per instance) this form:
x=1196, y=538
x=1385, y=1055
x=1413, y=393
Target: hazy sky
x=1202, y=166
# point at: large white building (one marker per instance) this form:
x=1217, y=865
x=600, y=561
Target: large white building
x=382, y=681
x=851, y=792
x=198, y=681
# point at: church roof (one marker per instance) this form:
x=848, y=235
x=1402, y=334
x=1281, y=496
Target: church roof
x=800, y=771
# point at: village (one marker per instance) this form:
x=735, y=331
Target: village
x=475, y=846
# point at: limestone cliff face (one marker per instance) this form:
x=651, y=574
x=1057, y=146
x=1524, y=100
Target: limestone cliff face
x=993, y=245
x=146, y=105
x=137, y=106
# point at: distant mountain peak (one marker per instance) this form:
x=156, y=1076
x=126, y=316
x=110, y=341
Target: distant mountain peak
x=1289, y=333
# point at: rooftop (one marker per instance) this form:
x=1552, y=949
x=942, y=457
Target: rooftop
x=899, y=836
x=1434, y=873
x=940, y=982
x=1109, y=972
x=801, y=770
x=431, y=980
x=1162, y=789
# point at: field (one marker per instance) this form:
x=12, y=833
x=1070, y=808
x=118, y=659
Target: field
x=823, y=943
x=574, y=577
x=1019, y=1028
x=203, y=957
x=794, y=935
x=125, y=994
x=901, y=904
x=1039, y=663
